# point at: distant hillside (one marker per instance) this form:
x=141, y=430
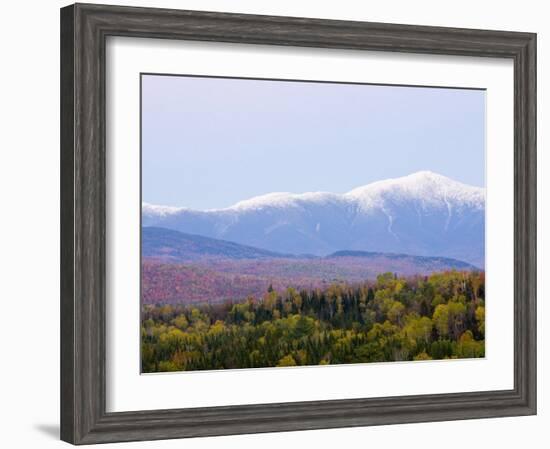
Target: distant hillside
x=178, y=284
x=173, y=246
x=419, y=261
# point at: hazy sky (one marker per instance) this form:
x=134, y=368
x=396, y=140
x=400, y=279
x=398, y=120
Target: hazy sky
x=210, y=142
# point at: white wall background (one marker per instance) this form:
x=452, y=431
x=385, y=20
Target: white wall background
x=29, y=242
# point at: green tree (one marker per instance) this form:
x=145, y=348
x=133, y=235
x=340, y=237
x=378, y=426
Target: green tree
x=480, y=318
x=441, y=319
x=422, y=356
x=287, y=360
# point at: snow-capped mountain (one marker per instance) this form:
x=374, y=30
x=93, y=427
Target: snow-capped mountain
x=422, y=214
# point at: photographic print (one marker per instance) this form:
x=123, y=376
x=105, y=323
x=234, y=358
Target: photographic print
x=295, y=223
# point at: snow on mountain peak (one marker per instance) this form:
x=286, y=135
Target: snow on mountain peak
x=159, y=211
x=425, y=187
x=283, y=199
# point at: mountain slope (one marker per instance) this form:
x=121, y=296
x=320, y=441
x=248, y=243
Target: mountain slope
x=169, y=246
x=423, y=214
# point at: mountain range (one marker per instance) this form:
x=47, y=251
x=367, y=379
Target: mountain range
x=424, y=214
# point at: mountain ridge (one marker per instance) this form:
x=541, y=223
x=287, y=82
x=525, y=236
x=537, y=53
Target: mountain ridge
x=410, y=184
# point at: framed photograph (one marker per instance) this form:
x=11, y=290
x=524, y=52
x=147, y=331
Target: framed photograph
x=275, y=223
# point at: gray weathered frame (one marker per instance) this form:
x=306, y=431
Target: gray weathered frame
x=84, y=29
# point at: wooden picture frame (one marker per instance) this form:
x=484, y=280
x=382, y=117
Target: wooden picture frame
x=84, y=29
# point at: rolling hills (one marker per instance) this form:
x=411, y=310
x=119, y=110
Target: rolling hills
x=179, y=268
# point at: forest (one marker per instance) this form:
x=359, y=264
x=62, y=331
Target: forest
x=392, y=318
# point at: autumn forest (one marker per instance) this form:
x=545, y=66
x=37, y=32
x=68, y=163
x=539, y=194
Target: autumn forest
x=391, y=318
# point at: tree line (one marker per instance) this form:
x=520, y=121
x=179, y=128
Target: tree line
x=390, y=319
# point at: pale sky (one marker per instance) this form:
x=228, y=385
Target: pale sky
x=211, y=142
